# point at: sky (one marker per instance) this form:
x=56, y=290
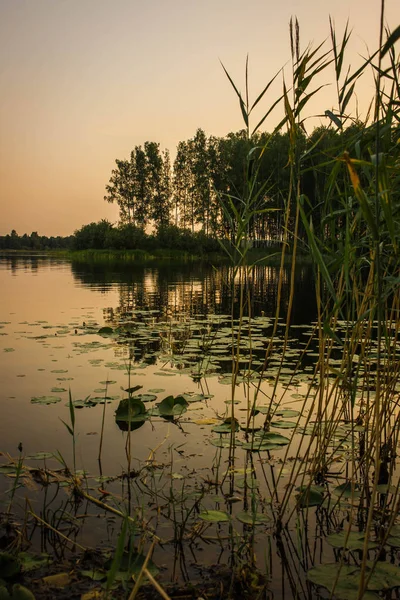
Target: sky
x=84, y=81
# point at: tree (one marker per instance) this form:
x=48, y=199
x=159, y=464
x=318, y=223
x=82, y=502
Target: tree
x=128, y=188
x=158, y=184
x=182, y=177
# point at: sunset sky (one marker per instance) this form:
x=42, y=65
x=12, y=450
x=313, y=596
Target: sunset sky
x=84, y=81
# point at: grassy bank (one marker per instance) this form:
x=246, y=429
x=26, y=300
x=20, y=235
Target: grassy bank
x=269, y=256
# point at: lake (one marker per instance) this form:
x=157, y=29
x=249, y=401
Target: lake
x=149, y=385
x=52, y=309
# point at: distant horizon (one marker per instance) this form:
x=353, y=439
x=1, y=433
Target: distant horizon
x=84, y=83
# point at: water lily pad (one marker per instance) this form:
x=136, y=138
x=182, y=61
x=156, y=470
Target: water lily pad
x=214, y=516
x=8, y=470
x=172, y=406
x=105, y=331
x=163, y=374
x=31, y=562
x=225, y=442
x=226, y=426
x=287, y=413
x=309, y=496
x=131, y=410
x=133, y=389
x=156, y=390
x=264, y=410
x=284, y=424
x=347, y=490
x=253, y=518
x=343, y=580
x=352, y=541
x=195, y=397
x=58, y=389
x=45, y=399
x=146, y=397
x=40, y=456
x=258, y=446
x=272, y=438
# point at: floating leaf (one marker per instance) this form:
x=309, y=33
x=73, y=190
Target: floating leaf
x=130, y=410
x=253, y=518
x=272, y=438
x=163, y=374
x=105, y=331
x=227, y=426
x=30, y=562
x=258, y=446
x=347, y=490
x=287, y=413
x=214, y=516
x=146, y=397
x=172, y=406
x=195, y=397
x=132, y=390
x=309, y=496
x=264, y=410
x=8, y=470
x=283, y=424
x=352, y=541
x=40, y=456
x=342, y=580
x=45, y=400
x=225, y=442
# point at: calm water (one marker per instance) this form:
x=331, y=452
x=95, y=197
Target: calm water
x=51, y=312
x=44, y=301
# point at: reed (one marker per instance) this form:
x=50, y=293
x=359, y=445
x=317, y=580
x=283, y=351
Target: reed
x=359, y=224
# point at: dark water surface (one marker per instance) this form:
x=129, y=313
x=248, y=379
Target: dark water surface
x=175, y=340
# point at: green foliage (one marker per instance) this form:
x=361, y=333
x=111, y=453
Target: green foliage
x=172, y=406
x=34, y=242
x=131, y=410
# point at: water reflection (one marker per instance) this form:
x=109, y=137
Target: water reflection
x=29, y=263
x=198, y=289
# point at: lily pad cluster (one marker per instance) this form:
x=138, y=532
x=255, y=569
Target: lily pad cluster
x=132, y=411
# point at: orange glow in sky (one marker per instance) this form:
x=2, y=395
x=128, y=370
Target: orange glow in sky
x=84, y=81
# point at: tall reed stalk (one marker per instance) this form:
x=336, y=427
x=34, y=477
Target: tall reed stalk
x=352, y=233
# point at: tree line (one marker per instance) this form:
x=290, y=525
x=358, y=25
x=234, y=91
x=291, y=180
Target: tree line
x=198, y=199
x=34, y=241
x=104, y=235
x=203, y=189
